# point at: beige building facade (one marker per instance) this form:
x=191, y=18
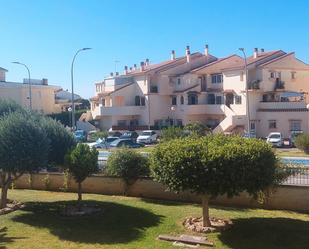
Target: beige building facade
x=200, y=87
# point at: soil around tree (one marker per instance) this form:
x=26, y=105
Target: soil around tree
x=217, y=225
x=11, y=207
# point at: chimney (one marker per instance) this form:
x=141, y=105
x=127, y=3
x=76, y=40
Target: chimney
x=262, y=50
x=131, y=69
x=44, y=82
x=147, y=62
x=125, y=69
x=188, y=53
x=142, y=66
x=206, y=50
x=135, y=67
x=111, y=74
x=117, y=73
x=255, y=53
x=173, y=55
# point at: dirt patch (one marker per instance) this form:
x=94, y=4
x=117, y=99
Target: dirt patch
x=217, y=225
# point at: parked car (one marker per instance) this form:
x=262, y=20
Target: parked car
x=114, y=134
x=275, y=139
x=147, y=137
x=80, y=135
x=104, y=143
x=127, y=142
x=129, y=135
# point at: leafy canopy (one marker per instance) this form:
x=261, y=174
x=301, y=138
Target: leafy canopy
x=128, y=164
x=82, y=161
x=216, y=165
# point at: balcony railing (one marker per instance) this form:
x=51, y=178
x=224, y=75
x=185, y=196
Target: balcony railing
x=254, y=85
x=129, y=127
x=279, y=85
x=282, y=105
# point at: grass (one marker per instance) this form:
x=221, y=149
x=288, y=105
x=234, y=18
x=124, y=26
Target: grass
x=293, y=152
x=135, y=223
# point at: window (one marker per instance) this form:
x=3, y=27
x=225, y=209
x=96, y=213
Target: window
x=103, y=102
x=192, y=99
x=174, y=100
x=238, y=100
x=143, y=101
x=272, y=124
x=178, y=81
x=211, y=99
x=295, y=125
x=252, y=126
x=218, y=100
x=272, y=75
x=137, y=100
x=293, y=75
x=182, y=100
x=216, y=78
x=122, y=122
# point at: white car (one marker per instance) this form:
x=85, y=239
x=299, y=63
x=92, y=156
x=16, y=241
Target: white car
x=275, y=139
x=147, y=137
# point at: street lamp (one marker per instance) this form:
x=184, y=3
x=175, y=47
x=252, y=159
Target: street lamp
x=247, y=86
x=30, y=93
x=72, y=85
x=173, y=118
x=307, y=106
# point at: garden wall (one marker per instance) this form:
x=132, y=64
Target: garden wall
x=285, y=197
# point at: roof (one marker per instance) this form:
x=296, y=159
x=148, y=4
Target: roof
x=3, y=69
x=221, y=64
x=263, y=55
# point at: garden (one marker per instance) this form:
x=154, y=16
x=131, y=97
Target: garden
x=206, y=166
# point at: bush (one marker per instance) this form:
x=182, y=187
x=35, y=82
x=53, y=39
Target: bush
x=82, y=162
x=302, y=142
x=171, y=132
x=216, y=165
x=96, y=135
x=127, y=164
x=197, y=129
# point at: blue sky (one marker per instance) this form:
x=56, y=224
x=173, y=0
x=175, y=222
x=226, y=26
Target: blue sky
x=45, y=34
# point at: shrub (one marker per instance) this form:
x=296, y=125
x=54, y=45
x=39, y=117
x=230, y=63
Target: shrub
x=216, y=165
x=127, y=164
x=171, y=132
x=197, y=129
x=82, y=161
x=96, y=135
x=302, y=142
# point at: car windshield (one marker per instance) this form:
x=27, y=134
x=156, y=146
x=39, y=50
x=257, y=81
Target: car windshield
x=146, y=133
x=111, y=139
x=274, y=136
x=114, y=143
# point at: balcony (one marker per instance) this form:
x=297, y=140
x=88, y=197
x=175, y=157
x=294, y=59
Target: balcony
x=293, y=106
x=121, y=110
x=254, y=85
x=204, y=109
x=279, y=85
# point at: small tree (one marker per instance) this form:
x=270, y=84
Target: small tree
x=302, y=142
x=23, y=148
x=171, y=132
x=129, y=165
x=82, y=162
x=197, y=129
x=216, y=165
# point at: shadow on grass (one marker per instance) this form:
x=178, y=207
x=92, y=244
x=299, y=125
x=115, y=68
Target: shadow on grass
x=270, y=233
x=5, y=240
x=117, y=223
x=167, y=202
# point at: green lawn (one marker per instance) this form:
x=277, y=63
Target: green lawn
x=293, y=152
x=135, y=223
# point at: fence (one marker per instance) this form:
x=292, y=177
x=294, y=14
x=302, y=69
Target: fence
x=299, y=176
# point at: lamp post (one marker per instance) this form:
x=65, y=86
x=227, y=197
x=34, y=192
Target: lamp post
x=247, y=95
x=29, y=83
x=173, y=118
x=72, y=85
x=307, y=106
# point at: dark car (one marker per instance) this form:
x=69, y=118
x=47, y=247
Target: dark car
x=114, y=134
x=129, y=135
x=125, y=143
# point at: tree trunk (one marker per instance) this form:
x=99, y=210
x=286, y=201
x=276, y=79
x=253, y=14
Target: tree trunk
x=206, y=220
x=4, y=194
x=79, y=192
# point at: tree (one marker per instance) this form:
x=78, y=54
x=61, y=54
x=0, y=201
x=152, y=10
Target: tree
x=61, y=140
x=23, y=148
x=197, y=129
x=129, y=165
x=82, y=162
x=171, y=132
x=216, y=165
x=302, y=142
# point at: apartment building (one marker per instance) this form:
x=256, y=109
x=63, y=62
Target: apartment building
x=44, y=97
x=201, y=87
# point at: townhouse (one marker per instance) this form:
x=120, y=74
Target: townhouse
x=201, y=87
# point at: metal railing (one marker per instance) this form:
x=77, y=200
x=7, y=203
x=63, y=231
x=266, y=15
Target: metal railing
x=299, y=176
